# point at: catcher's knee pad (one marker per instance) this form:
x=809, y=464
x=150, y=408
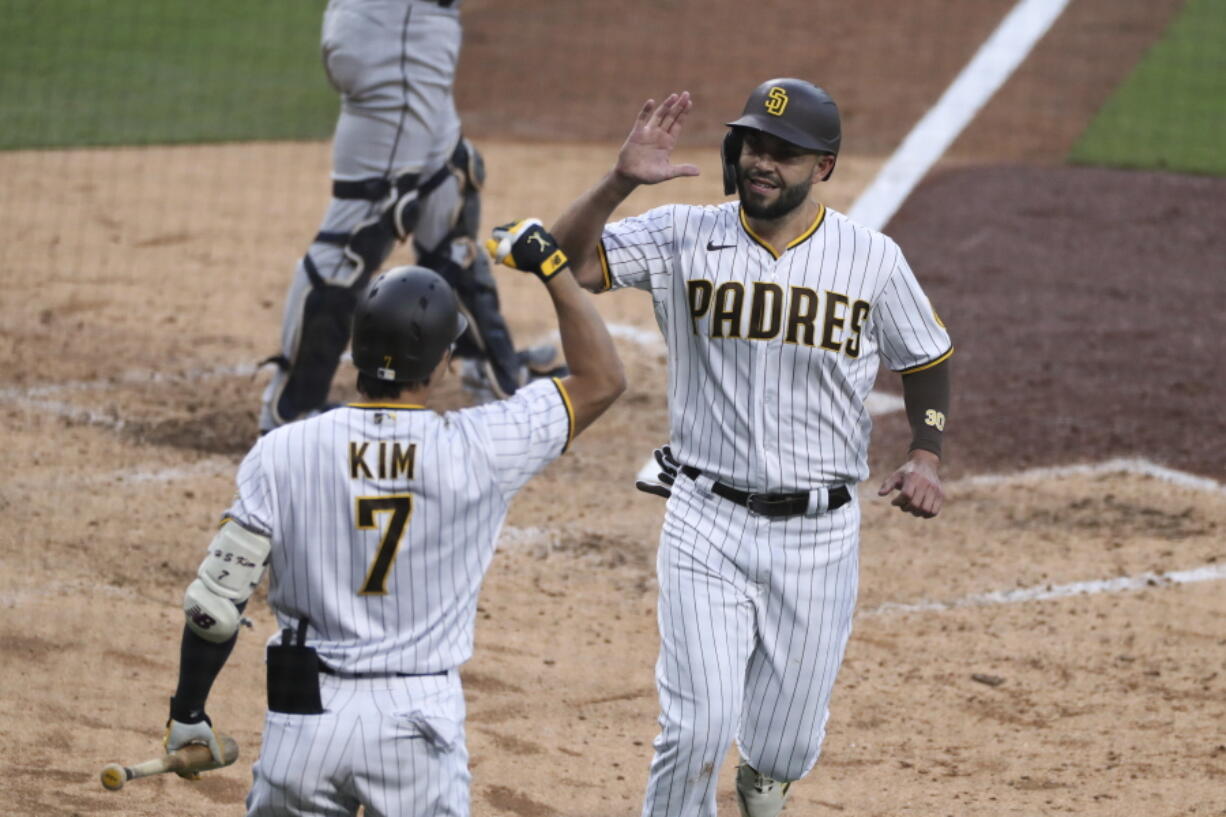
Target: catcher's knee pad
x=449, y=210
x=370, y=243
x=322, y=335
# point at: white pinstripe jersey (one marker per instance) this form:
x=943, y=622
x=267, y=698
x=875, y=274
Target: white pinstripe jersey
x=771, y=357
x=383, y=520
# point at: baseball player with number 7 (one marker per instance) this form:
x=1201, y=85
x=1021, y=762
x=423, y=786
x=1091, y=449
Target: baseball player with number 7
x=376, y=522
x=776, y=311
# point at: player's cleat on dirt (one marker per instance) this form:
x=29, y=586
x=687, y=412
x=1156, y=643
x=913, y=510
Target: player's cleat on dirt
x=542, y=361
x=535, y=362
x=759, y=795
x=475, y=380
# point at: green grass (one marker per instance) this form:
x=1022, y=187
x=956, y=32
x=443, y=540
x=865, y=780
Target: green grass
x=1170, y=114
x=135, y=72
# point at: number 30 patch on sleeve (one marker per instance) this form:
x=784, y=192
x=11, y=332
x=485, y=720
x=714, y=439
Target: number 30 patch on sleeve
x=935, y=418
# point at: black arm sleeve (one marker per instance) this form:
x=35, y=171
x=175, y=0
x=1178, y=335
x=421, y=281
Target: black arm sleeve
x=200, y=662
x=926, y=395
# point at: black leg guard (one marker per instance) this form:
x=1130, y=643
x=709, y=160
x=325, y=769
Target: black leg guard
x=459, y=259
x=488, y=337
x=326, y=316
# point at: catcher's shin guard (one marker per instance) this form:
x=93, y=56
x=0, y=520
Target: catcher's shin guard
x=488, y=338
x=460, y=259
x=758, y=795
x=303, y=377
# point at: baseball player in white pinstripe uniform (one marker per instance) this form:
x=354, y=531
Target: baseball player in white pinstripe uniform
x=377, y=522
x=776, y=311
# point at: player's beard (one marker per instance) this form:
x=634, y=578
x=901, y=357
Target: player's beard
x=790, y=197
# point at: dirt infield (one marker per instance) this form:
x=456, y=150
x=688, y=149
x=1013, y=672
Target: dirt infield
x=1098, y=311
x=981, y=679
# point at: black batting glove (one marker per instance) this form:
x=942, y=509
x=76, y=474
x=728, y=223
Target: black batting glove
x=528, y=246
x=666, y=477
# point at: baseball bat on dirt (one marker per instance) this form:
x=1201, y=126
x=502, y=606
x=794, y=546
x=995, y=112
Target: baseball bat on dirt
x=191, y=758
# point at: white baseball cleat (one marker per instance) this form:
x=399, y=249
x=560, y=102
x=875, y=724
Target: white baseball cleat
x=759, y=795
x=542, y=361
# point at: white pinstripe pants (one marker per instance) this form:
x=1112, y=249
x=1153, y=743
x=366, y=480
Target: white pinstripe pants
x=754, y=617
x=394, y=745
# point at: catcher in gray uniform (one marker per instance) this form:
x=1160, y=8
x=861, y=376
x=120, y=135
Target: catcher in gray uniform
x=400, y=168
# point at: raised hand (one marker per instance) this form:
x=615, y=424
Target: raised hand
x=646, y=155
x=526, y=245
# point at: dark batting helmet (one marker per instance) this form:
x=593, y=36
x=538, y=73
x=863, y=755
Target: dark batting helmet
x=404, y=323
x=794, y=110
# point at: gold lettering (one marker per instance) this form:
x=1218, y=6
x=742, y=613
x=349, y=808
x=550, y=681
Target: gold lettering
x=802, y=315
x=760, y=313
x=402, y=460
x=833, y=320
x=699, y=292
x=728, y=300
x=357, y=460
x=859, y=314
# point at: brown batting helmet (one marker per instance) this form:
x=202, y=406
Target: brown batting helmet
x=795, y=111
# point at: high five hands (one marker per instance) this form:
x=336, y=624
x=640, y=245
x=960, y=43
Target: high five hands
x=646, y=155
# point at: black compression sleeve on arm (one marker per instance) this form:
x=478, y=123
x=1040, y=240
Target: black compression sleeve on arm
x=926, y=394
x=200, y=662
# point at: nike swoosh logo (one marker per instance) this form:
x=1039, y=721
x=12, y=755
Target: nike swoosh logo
x=712, y=246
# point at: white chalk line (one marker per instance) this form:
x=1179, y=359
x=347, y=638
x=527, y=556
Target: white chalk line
x=991, y=66
x=1205, y=573
x=1130, y=465
x=41, y=397
x=1135, y=465
x=77, y=588
x=119, y=479
x=131, y=377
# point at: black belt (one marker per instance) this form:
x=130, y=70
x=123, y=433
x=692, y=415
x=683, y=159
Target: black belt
x=772, y=504
x=327, y=670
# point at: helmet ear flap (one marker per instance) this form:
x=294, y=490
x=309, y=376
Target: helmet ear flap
x=730, y=153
